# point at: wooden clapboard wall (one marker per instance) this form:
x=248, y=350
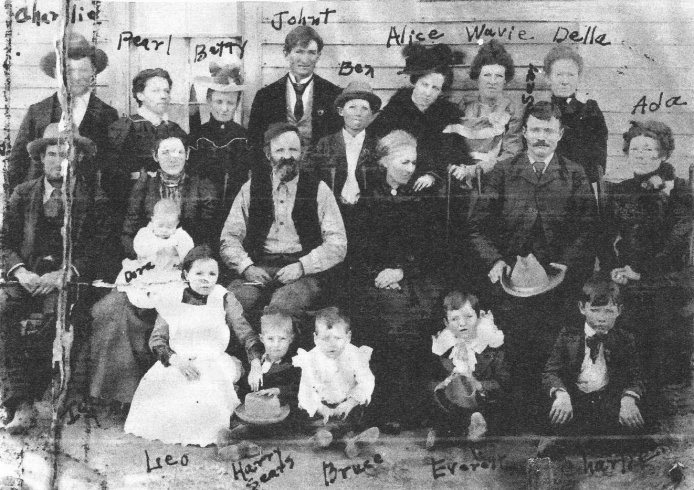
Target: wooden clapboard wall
x=651, y=51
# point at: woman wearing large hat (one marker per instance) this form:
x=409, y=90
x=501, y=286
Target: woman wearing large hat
x=218, y=148
x=90, y=115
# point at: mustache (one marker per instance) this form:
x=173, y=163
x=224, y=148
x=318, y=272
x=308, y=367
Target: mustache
x=540, y=143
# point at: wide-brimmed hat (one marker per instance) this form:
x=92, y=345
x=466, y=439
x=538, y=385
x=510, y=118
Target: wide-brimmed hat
x=259, y=419
x=529, y=278
x=421, y=59
x=224, y=78
x=54, y=133
x=359, y=90
x=458, y=393
x=77, y=47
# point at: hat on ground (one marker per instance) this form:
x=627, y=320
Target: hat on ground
x=77, y=47
x=52, y=134
x=224, y=78
x=421, y=59
x=359, y=90
x=262, y=409
x=458, y=393
x=529, y=278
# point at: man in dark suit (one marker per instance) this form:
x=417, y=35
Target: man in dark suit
x=89, y=113
x=593, y=376
x=31, y=253
x=300, y=97
x=536, y=203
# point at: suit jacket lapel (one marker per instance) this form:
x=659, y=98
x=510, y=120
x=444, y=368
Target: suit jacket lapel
x=32, y=220
x=524, y=170
x=551, y=172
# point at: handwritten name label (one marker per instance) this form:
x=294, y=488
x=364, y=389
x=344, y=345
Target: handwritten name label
x=142, y=42
x=527, y=97
x=250, y=472
x=218, y=49
x=620, y=462
x=654, y=106
x=301, y=19
x=130, y=275
x=415, y=36
x=346, y=69
x=481, y=30
x=441, y=468
x=331, y=472
x=168, y=460
x=588, y=37
x=39, y=18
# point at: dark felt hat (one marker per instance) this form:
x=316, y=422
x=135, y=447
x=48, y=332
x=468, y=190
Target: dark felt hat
x=359, y=90
x=52, y=134
x=77, y=47
x=529, y=278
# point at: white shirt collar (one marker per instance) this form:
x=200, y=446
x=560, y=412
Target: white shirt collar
x=359, y=138
x=276, y=181
x=292, y=78
x=546, y=161
x=589, y=331
x=47, y=190
x=151, y=116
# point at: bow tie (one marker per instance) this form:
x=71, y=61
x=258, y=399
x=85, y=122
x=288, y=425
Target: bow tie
x=594, y=344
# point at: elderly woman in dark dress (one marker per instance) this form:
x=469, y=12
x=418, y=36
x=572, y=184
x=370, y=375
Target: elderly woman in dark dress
x=585, y=132
x=421, y=110
x=119, y=351
x=649, y=221
x=395, y=281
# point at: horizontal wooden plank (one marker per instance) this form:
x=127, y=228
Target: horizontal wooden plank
x=653, y=56
x=461, y=32
x=558, y=11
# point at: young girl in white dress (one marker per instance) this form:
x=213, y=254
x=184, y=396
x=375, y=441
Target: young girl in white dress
x=189, y=394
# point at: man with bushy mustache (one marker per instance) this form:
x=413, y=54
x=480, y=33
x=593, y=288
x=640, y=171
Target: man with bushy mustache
x=538, y=202
x=284, y=230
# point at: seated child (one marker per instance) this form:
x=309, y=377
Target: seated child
x=336, y=383
x=189, y=394
x=271, y=375
x=593, y=374
x=160, y=246
x=472, y=361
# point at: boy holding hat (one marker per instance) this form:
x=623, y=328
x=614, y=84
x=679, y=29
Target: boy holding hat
x=90, y=115
x=219, y=148
x=31, y=253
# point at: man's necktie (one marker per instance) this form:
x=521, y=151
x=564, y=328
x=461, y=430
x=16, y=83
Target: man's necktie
x=594, y=344
x=53, y=208
x=538, y=167
x=299, y=89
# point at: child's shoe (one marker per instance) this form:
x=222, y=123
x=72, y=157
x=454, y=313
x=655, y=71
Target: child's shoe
x=235, y=452
x=322, y=438
x=431, y=439
x=354, y=445
x=477, y=428
x=24, y=419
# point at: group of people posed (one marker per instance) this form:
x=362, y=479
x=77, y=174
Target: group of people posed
x=455, y=266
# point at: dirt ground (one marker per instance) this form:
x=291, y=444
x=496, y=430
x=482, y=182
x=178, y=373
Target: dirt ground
x=94, y=453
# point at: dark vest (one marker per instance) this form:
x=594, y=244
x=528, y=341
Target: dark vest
x=261, y=213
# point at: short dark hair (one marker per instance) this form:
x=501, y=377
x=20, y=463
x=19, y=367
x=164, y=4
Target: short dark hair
x=210, y=91
x=140, y=80
x=455, y=300
x=158, y=142
x=601, y=290
x=446, y=71
x=280, y=315
x=492, y=53
x=543, y=110
x=562, y=52
x=302, y=36
x=278, y=128
x=656, y=130
x=201, y=252
x=331, y=316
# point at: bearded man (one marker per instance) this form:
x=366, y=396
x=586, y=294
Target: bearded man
x=284, y=231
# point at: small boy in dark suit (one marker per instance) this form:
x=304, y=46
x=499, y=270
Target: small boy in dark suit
x=593, y=375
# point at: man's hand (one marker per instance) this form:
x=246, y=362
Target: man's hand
x=51, y=281
x=255, y=377
x=498, y=270
x=342, y=410
x=387, y=277
x=623, y=275
x=256, y=274
x=269, y=392
x=461, y=172
x=423, y=182
x=629, y=413
x=290, y=273
x=28, y=280
x=325, y=412
x=561, y=411
x=186, y=367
